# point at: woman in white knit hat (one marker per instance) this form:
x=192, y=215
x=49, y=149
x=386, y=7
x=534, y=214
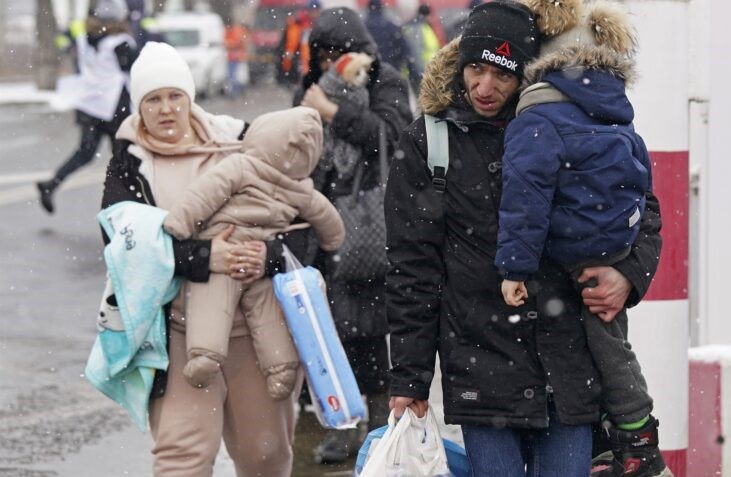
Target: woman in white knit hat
x=159, y=151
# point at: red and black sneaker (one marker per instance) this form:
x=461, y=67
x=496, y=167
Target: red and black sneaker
x=635, y=454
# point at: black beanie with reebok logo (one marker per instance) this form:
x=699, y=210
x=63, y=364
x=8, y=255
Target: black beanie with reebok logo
x=502, y=33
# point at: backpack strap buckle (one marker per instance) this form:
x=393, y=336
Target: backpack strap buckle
x=439, y=180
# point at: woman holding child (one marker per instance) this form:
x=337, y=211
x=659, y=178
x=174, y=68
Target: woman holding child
x=158, y=153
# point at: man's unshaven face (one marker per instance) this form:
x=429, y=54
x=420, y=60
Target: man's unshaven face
x=489, y=88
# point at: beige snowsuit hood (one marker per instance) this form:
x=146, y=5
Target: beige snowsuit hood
x=260, y=191
x=264, y=189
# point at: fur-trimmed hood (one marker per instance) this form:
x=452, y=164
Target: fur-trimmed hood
x=599, y=58
x=438, y=89
x=587, y=53
x=441, y=84
x=591, y=35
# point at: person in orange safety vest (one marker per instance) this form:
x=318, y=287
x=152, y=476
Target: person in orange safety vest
x=236, y=38
x=294, y=47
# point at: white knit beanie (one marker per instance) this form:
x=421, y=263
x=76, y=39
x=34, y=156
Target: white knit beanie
x=159, y=65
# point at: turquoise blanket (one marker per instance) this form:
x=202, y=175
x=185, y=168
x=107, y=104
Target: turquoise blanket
x=140, y=266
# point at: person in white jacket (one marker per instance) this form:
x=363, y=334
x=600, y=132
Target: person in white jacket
x=100, y=92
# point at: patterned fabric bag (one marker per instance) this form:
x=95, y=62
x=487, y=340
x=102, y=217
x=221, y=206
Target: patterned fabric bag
x=363, y=254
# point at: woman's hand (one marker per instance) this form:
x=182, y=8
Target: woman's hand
x=315, y=98
x=247, y=262
x=222, y=252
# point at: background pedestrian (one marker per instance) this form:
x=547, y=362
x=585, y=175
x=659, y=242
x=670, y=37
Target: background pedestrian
x=100, y=93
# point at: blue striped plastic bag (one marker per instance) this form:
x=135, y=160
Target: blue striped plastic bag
x=332, y=385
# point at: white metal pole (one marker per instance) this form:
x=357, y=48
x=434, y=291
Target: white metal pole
x=699, y=61
x=659, y=325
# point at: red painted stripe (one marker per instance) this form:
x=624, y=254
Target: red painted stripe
x=670, y=184
x=704, y=423
x=677, y=461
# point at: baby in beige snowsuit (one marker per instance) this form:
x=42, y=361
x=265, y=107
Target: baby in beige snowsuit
x=261, y=192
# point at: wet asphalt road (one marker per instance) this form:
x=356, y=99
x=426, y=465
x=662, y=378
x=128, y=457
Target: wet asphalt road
x=52, y=422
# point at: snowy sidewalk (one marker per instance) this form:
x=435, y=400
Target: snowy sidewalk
x=23, y=93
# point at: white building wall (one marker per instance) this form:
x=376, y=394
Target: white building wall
x=718, y=225
x=660, y=95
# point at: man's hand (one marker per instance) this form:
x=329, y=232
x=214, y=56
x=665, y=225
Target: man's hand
x=315, y=98
x=610, y=294
x=400, y=403
x=514, y=293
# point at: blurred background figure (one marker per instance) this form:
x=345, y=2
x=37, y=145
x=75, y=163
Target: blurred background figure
x=142, y=25
x=100, y=92
x=454, y=29
x=388, y=36
x=423, y=44
x=313, y=13
x=294, y=56
x=65, y=42
x=236, y=40
x=198, y=36
x=136, y=15
x=358, y=306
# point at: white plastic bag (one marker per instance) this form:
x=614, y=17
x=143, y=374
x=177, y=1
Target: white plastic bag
x=411, y=447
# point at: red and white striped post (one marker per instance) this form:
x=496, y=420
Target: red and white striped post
x=710, y=412
x=659, y=325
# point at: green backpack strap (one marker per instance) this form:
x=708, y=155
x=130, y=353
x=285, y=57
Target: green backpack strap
x=540, y=93
x=437, y=143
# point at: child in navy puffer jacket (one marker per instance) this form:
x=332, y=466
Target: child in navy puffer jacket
x=575, y=178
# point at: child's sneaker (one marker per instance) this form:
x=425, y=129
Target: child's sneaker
x=635, y=454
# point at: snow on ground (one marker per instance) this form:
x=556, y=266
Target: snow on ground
x=24, y=92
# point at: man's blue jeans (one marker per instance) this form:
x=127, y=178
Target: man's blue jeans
x=557, y=451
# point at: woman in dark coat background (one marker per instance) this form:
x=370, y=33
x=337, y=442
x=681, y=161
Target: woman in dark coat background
x=357, y=307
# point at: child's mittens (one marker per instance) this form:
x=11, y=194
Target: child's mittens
x=281, y=380
x=200, y=371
